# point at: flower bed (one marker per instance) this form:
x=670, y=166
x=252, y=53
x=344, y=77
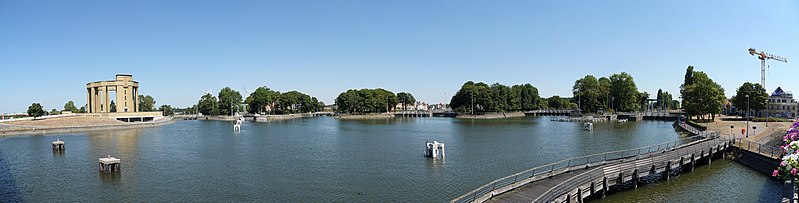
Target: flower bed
x=789, y=166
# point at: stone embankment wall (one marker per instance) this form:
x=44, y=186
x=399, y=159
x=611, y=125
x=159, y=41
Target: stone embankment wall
x=14, y=130
x=366, y=116
x=492, y=115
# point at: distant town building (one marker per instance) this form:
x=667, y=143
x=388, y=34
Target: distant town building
x=781, y=104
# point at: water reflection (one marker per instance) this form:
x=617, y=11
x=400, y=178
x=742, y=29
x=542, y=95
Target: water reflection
x=110, y=178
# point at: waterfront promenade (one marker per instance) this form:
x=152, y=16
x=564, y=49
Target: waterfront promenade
x=575, y=179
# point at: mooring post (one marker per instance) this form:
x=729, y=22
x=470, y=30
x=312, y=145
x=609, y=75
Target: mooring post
x=710, y=156
x=682, y=162
x=621, y=178
x=652, y=171
x=579, y=195
x=593, y=187
x=635, y=178
x=693, y=162
x=667, y=172
x=604, y=186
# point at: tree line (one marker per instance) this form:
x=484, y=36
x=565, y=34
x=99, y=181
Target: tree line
x=615, y=93
x=146, y=103
x=480, y=97
x=262, y=101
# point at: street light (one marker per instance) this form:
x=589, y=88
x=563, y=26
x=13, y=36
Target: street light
x=472, y=94
x=747, y=115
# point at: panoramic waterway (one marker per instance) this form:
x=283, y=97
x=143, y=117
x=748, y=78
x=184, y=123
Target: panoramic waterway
x=310, y=160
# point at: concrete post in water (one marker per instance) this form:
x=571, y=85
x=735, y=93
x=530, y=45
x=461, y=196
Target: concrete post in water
x=621, y=178
x=237, y=126
x=593, y=187
x=579, y=195
x=682, y=162
x=693, y=162
x=433, y=148
x=605, y=186
x=109, y=164
x=58, y=145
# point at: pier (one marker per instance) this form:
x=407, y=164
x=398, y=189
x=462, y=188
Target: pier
x=573, y=180
x=552, y=112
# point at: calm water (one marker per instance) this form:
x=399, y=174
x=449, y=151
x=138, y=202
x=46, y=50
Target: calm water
x=722, y=181
x=314, y=159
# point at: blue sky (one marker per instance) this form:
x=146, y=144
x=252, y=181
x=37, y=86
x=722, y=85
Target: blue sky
x=49, y=50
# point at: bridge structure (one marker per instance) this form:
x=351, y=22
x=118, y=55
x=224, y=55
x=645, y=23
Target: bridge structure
x=574, y=179
x=552, y=112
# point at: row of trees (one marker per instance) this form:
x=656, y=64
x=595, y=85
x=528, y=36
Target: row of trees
x=146, y=103
x=665, y=101
x=262, y=100
x=480, y=97
x=701, y=95
x=227, y=103
x=617, y=92
x=369, y=101
x=265, y=100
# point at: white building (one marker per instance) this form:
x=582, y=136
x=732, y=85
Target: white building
x=782, y=105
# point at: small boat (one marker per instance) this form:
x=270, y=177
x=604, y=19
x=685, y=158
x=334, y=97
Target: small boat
x=588, y=126
x=622, y=120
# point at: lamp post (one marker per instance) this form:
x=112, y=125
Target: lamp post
x=747, y=115
x=472, y=94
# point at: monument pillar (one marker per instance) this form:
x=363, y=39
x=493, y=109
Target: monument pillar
x=94, y=101
x=107, y=104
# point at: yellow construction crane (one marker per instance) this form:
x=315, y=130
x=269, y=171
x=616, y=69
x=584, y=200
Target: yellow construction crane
x=763, y=56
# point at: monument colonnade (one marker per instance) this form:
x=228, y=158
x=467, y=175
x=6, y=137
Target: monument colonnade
x=127, y=95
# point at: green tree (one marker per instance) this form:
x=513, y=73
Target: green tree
x=366, y=101
x=701, y=95
x=54, y=112
x=146, y=103
x=35, y=110
x=472, y=97
x=643, y=100
x=556, y=102
x=261, y=99
x=82, y=109
x=604, y=92
x=229, y=101
x=405, y=99
x=70, y=106
x=524, y=98
x=166, y=110
x=757, y=97
x=665, y=100
x=208, y=105
x=113, y=106
x=500, y=97
x=624, y=92
x=586, y=91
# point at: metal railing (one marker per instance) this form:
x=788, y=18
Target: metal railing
x=548, y=170
x=689, y=128
x=765, y=150
x=660, y=159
